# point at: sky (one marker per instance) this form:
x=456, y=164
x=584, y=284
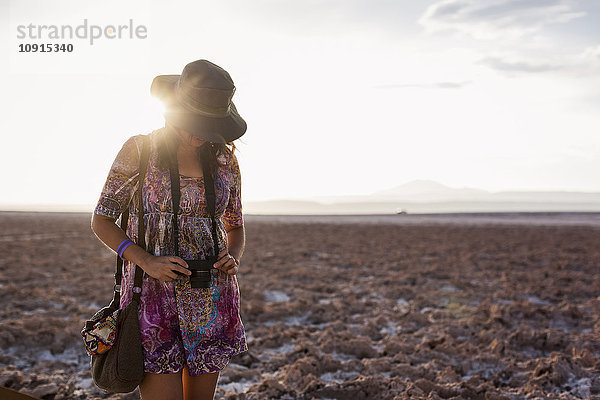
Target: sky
x=341, y=97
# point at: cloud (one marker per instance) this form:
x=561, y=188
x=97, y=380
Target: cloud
x=434, y=85
x=492, y=19
x=518, y=66
x=520, y=36
x=583, y=63
x=590, y=56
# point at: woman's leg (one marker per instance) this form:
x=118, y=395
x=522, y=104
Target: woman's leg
x=161, y=387
x=200, y=387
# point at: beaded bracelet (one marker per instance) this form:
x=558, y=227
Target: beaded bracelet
x=124, y=244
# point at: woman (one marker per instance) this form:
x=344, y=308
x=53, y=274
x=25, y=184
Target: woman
x=188, y=334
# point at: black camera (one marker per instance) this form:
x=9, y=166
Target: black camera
x=201, y=272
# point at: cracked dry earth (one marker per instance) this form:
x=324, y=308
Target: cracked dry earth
x=337, y=310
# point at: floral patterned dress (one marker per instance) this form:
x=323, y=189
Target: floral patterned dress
x=180, y=326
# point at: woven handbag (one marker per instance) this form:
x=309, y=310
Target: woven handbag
x=112, y=336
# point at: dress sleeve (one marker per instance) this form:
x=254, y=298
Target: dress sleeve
x=121, y=182
x=233, y=212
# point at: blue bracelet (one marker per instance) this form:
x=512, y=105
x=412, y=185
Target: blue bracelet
x=123, y=250
x=121, y=245
x=124, y=244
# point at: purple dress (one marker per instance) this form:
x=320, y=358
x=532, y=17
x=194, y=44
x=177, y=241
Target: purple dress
x=200, y=328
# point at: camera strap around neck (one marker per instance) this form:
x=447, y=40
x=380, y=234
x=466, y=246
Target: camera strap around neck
x=209, y=192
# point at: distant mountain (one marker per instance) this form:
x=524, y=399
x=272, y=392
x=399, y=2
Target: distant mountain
x=425, y=190
x=431, y=191
x=429, y=196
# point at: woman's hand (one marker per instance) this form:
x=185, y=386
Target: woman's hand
x=163, y=267
x=227, y=263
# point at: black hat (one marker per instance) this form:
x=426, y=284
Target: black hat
x=199, y=102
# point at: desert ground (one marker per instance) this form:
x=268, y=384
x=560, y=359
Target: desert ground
x=490, y=307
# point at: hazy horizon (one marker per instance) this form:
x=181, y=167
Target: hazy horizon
x=413, y=197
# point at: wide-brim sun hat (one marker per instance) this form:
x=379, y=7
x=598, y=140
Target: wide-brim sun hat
x=199, y=102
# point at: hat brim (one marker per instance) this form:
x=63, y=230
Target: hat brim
x=213, y=129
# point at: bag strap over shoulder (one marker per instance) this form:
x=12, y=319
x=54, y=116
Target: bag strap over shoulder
x=139, y=273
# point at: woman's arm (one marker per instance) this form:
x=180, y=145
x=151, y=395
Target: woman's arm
x=112, y=236
x=157, y=267
x=236, y=241
x=234, y=225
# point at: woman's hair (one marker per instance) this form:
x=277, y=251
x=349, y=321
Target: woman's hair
x=169, y=141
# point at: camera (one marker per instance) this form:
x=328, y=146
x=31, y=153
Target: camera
x=201, y=272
